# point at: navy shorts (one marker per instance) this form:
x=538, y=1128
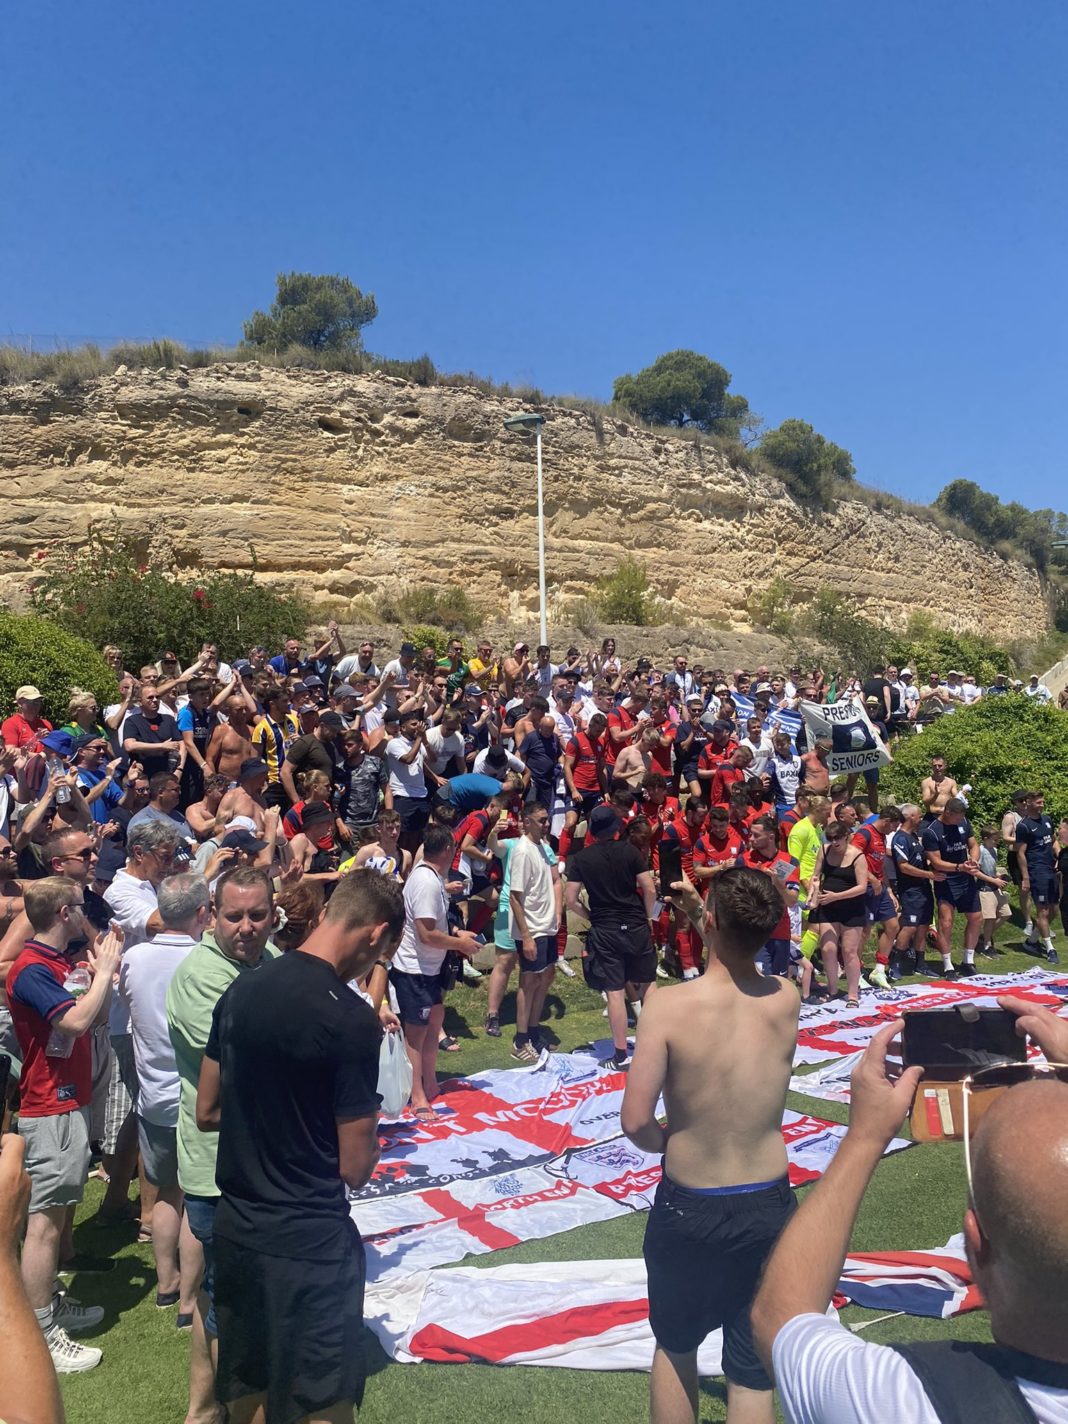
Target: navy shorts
x=1043, y=887
x=416, y=994
x=545, y=957
x=200, y=1212
x=879, y=906
x=917, y=907
x=960, y=891
x=774, y=958
x=704, y=1253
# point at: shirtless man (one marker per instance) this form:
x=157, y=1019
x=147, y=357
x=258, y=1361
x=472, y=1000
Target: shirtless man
x=634, y=761
x=817, y=775
x=936, y=790
x=721, y=1057
x=247, y=797
x=231, y=742
x=382, y=852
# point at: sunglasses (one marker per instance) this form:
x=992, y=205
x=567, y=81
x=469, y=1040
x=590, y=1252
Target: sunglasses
x=8, y=851
x=86, y=854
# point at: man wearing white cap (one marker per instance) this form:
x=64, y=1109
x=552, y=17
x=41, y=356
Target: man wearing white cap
x=26, y=726
x=906, y=681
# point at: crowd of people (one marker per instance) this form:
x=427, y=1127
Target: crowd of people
x=190, y=871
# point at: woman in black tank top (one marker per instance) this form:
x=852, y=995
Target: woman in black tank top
x=840, y=879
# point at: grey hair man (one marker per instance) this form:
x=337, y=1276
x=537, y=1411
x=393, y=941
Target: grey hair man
x=184, y=907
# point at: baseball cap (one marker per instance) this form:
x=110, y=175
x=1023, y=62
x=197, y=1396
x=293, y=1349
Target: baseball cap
x=299, y=687
x=345, y=690
x=472, y=690
x=315, y=811
x=62, y=743
x=497, y=757
x=241, y=823
x=407, y=650
x=603, y=820
x=872, y=701
x=722, y=725
x=313, y=681
x=79, y=743
x=695, y=697
x=28, y=693
x=332, y=720
x=251, y=766
x=243, y=840
x=391, y=716
x=763, y=687
x=905, y=672
x=241, y=665
x=520, y=648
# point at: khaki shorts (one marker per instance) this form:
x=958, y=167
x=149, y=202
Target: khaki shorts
x=57, y=1157
x=994, y=904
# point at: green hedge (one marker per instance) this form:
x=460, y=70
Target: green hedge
x=37, y=651
x=998, y=746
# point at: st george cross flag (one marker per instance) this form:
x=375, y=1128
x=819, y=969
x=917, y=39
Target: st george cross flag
x=855, y=744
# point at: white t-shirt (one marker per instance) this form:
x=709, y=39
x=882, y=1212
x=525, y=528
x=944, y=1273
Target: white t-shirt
x=827, y=1375
x=514, y=762
x=424, y=899
x=133, y=901
x=350, y=664
x=531, y=874
x=401, y=679
x=144, y=978
x=405, y=780
x=443, y=748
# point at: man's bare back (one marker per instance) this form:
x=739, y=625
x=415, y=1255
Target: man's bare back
x=726, y=1041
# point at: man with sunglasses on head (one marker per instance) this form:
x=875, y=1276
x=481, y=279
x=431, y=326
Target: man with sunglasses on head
x=1015, y=1236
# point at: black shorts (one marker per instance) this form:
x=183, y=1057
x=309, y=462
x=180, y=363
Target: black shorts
x=545, y=957
x=774, y=958
x=917, y=907
x=960, y=891
x=292, y=1329
x=1012, y=865
x=414, y=812
x=586, y=802
x=416, y=994
x=617, y=954
x=704, y=1255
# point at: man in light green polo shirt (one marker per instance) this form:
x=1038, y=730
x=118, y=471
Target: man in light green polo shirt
x=244, y=918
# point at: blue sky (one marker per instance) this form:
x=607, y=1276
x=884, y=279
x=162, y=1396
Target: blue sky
x=861, y=211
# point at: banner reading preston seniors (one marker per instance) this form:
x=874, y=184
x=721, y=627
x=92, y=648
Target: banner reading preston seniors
x=855, y=744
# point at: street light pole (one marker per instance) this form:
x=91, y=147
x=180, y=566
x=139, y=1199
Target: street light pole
x=522, y=422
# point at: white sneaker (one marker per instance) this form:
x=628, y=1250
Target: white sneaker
x=471, y=974
x=68, y=1357
x=878, y=977
x=565, y=968
x=691, y=974
x=863, y=983
x=662, y=973
x=74, y=1317
x=1029, y=931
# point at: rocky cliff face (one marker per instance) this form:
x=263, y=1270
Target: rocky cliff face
x=349, y=484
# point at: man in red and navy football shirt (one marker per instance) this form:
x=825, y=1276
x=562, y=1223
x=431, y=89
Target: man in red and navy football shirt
x=731, y=772
x=718, y=846
x=684, y=831
x=763, y=853
x=56, y=1091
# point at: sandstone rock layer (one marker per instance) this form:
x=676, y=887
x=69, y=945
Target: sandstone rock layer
x=349, y=485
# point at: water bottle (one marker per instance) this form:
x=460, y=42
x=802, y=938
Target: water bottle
x=77, y=982
x=55, y=767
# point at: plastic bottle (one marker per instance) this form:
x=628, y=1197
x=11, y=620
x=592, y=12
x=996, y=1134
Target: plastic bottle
x=54, y=766
x=77, y=983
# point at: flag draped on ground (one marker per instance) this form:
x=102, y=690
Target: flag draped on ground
x=517, y=1156
x=593, y=1315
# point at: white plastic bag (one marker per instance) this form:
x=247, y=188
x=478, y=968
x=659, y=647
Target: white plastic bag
x=394, y=1074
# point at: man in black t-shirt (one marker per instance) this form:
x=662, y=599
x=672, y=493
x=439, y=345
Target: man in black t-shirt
x=293, y=1054
x=620, y=893
x=151, y=737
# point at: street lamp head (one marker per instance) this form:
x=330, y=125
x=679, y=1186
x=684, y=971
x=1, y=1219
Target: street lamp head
x=528, y=420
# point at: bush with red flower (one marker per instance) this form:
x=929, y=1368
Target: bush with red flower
x=111, y=587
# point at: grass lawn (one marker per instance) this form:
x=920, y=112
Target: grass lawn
x=915, y=1200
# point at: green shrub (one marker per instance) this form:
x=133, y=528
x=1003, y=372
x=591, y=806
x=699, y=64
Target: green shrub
x=624, y=595
x=447, y=607
x=423, y=635
x=36, y=651
x=112, y=588
x=927, y=648
x=998, y=746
